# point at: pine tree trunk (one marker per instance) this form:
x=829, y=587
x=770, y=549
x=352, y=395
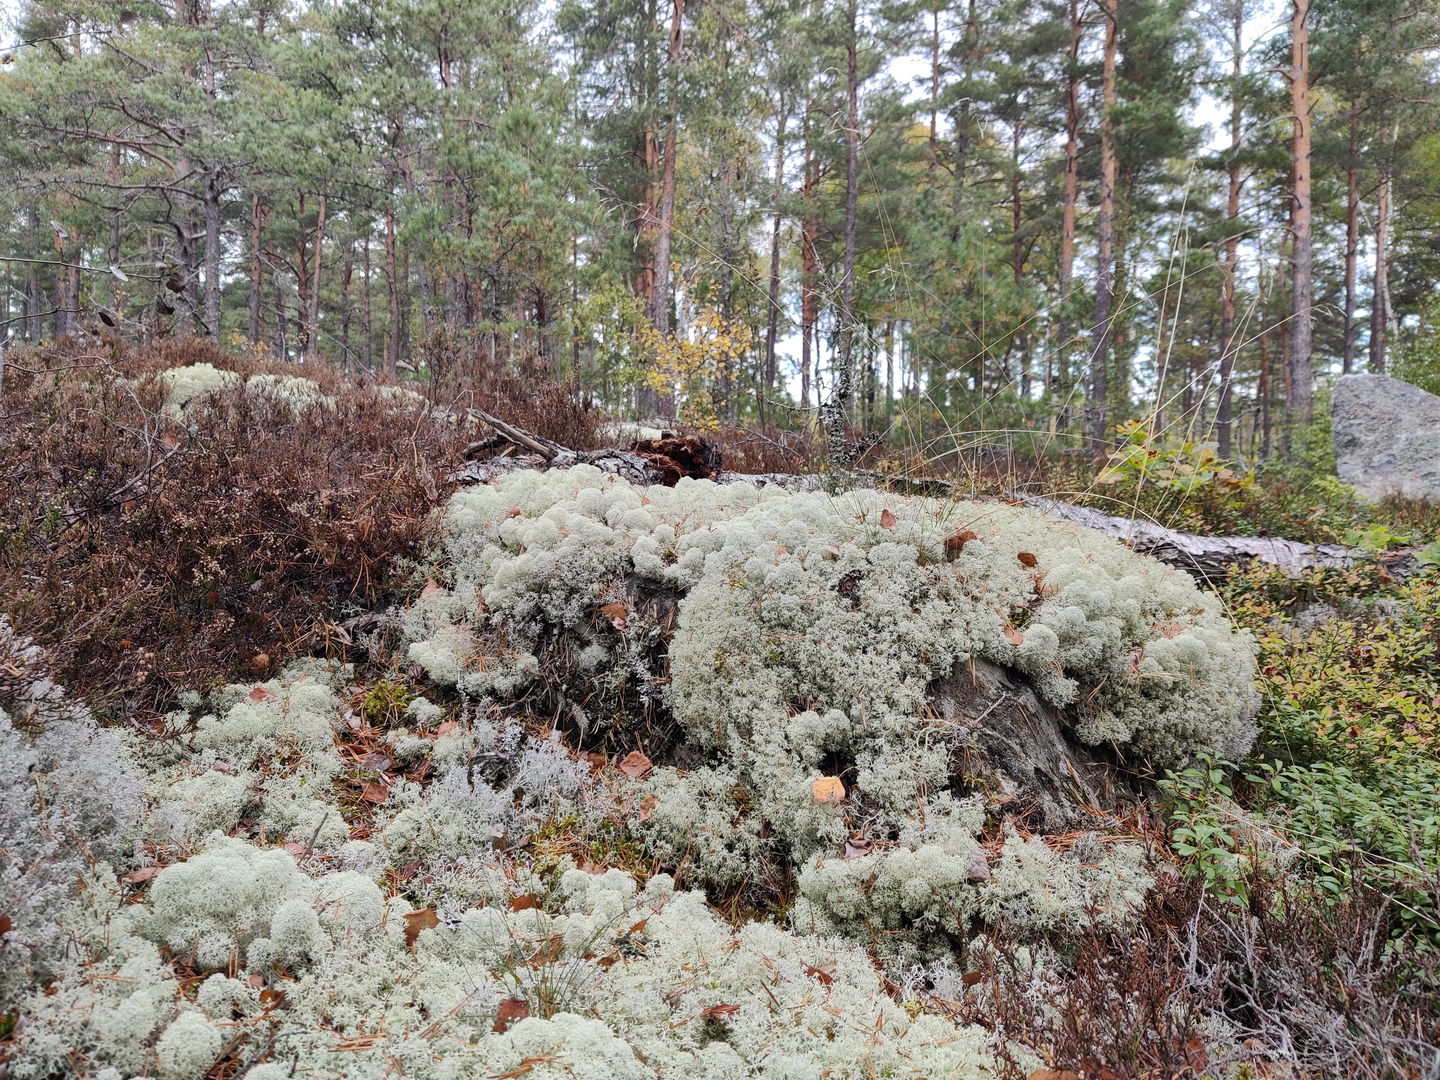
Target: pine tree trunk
x=834, y=410
x=660, y=300
x=257, y=271
x=809, y=267
x=1228, y=343
x=1299, y=398
x=1380, y=304
x=772, y=313
x=312, y=317
x=392, y=286
x=212, y=253
x=1070, y=199
x=1352, y=235
x=1105, y=261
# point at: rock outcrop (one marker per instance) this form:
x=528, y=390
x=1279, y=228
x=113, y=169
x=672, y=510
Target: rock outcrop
x=1387, y=437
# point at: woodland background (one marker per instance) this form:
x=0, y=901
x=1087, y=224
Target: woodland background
x=1015, y=216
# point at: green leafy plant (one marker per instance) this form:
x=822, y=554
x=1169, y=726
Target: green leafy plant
x=1203, y=833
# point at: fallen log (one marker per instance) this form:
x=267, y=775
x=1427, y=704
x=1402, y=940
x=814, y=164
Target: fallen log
x=1208, y=558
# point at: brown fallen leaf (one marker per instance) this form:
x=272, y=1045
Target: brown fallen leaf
x=272, y=999
x=374, y=793
x=636, y=764
x=5, y=925
x=823, y=973
x=719, y=1012
x=258, y=662
x=647, y=806
x=416, y=921
x=971, y=978
x=827, y=789
x=1027, y=559
x=617, y=613
x=1054, y=1074
x=260, y=693
x=956, y=541
x=523, y=903
x=511, y=1010
x=431, y=588
x=1013, y=636
x=256, y=981
x=144, y=874
x=887, y=519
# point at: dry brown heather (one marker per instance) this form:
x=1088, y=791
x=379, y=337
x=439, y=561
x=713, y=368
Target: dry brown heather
x=151, y=554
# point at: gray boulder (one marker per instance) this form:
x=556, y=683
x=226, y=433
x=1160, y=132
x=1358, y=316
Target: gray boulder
x=1387, y=437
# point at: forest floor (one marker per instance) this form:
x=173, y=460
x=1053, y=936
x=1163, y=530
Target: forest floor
x=175, y=566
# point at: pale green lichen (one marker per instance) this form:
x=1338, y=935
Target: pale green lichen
x=618, y=981
x=185, y=384
x=810, y=628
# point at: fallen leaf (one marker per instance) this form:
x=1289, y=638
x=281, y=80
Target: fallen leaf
x=137, y=877
x=259, y=662
x=513, y=512
x=956, y=541
x=828, y=789
x=636, y=764
x=256, y=981
x=1013, y=636
x=511, y=1009
x=5, y=925
x=887, y=519
x=416, y=921
x=979, y=869
x=617, y=613
x=431, y=588
x=823, y=973
x=523, y=903
x=1027, y=559
x=970, y=978
x=1053, y=1074
x=374, y=793
x=856, y=848
x=719, y=1012
x=272, y=999
x=446, y=728
x=647, y=806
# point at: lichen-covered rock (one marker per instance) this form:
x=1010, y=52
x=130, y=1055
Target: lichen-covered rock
x=890, y=643
x=1386, y=437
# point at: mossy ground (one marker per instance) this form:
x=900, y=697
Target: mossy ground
x=449, y=862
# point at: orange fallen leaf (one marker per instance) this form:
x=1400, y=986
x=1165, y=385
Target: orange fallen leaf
x=1013, y=636
x=636, y=764
x=416, y=921
x=511, y=1010
x=1027, y=559
x=956, y=541
x=887, y=519
x=5, y=925
x=827, y=789
x=823, y=973
x=617, y=613
x=970, y=978
x=523, y=903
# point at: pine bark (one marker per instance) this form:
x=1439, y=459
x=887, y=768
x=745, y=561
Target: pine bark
x=1300, y=388
x=1380, y=304
x=1105, y=260
x=1352, y=235
x=1229, y=343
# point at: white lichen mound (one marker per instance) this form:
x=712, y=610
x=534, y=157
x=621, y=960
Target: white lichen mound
x=193, y=382
x=608, y=980
x=69, y=797
x=809, y=631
